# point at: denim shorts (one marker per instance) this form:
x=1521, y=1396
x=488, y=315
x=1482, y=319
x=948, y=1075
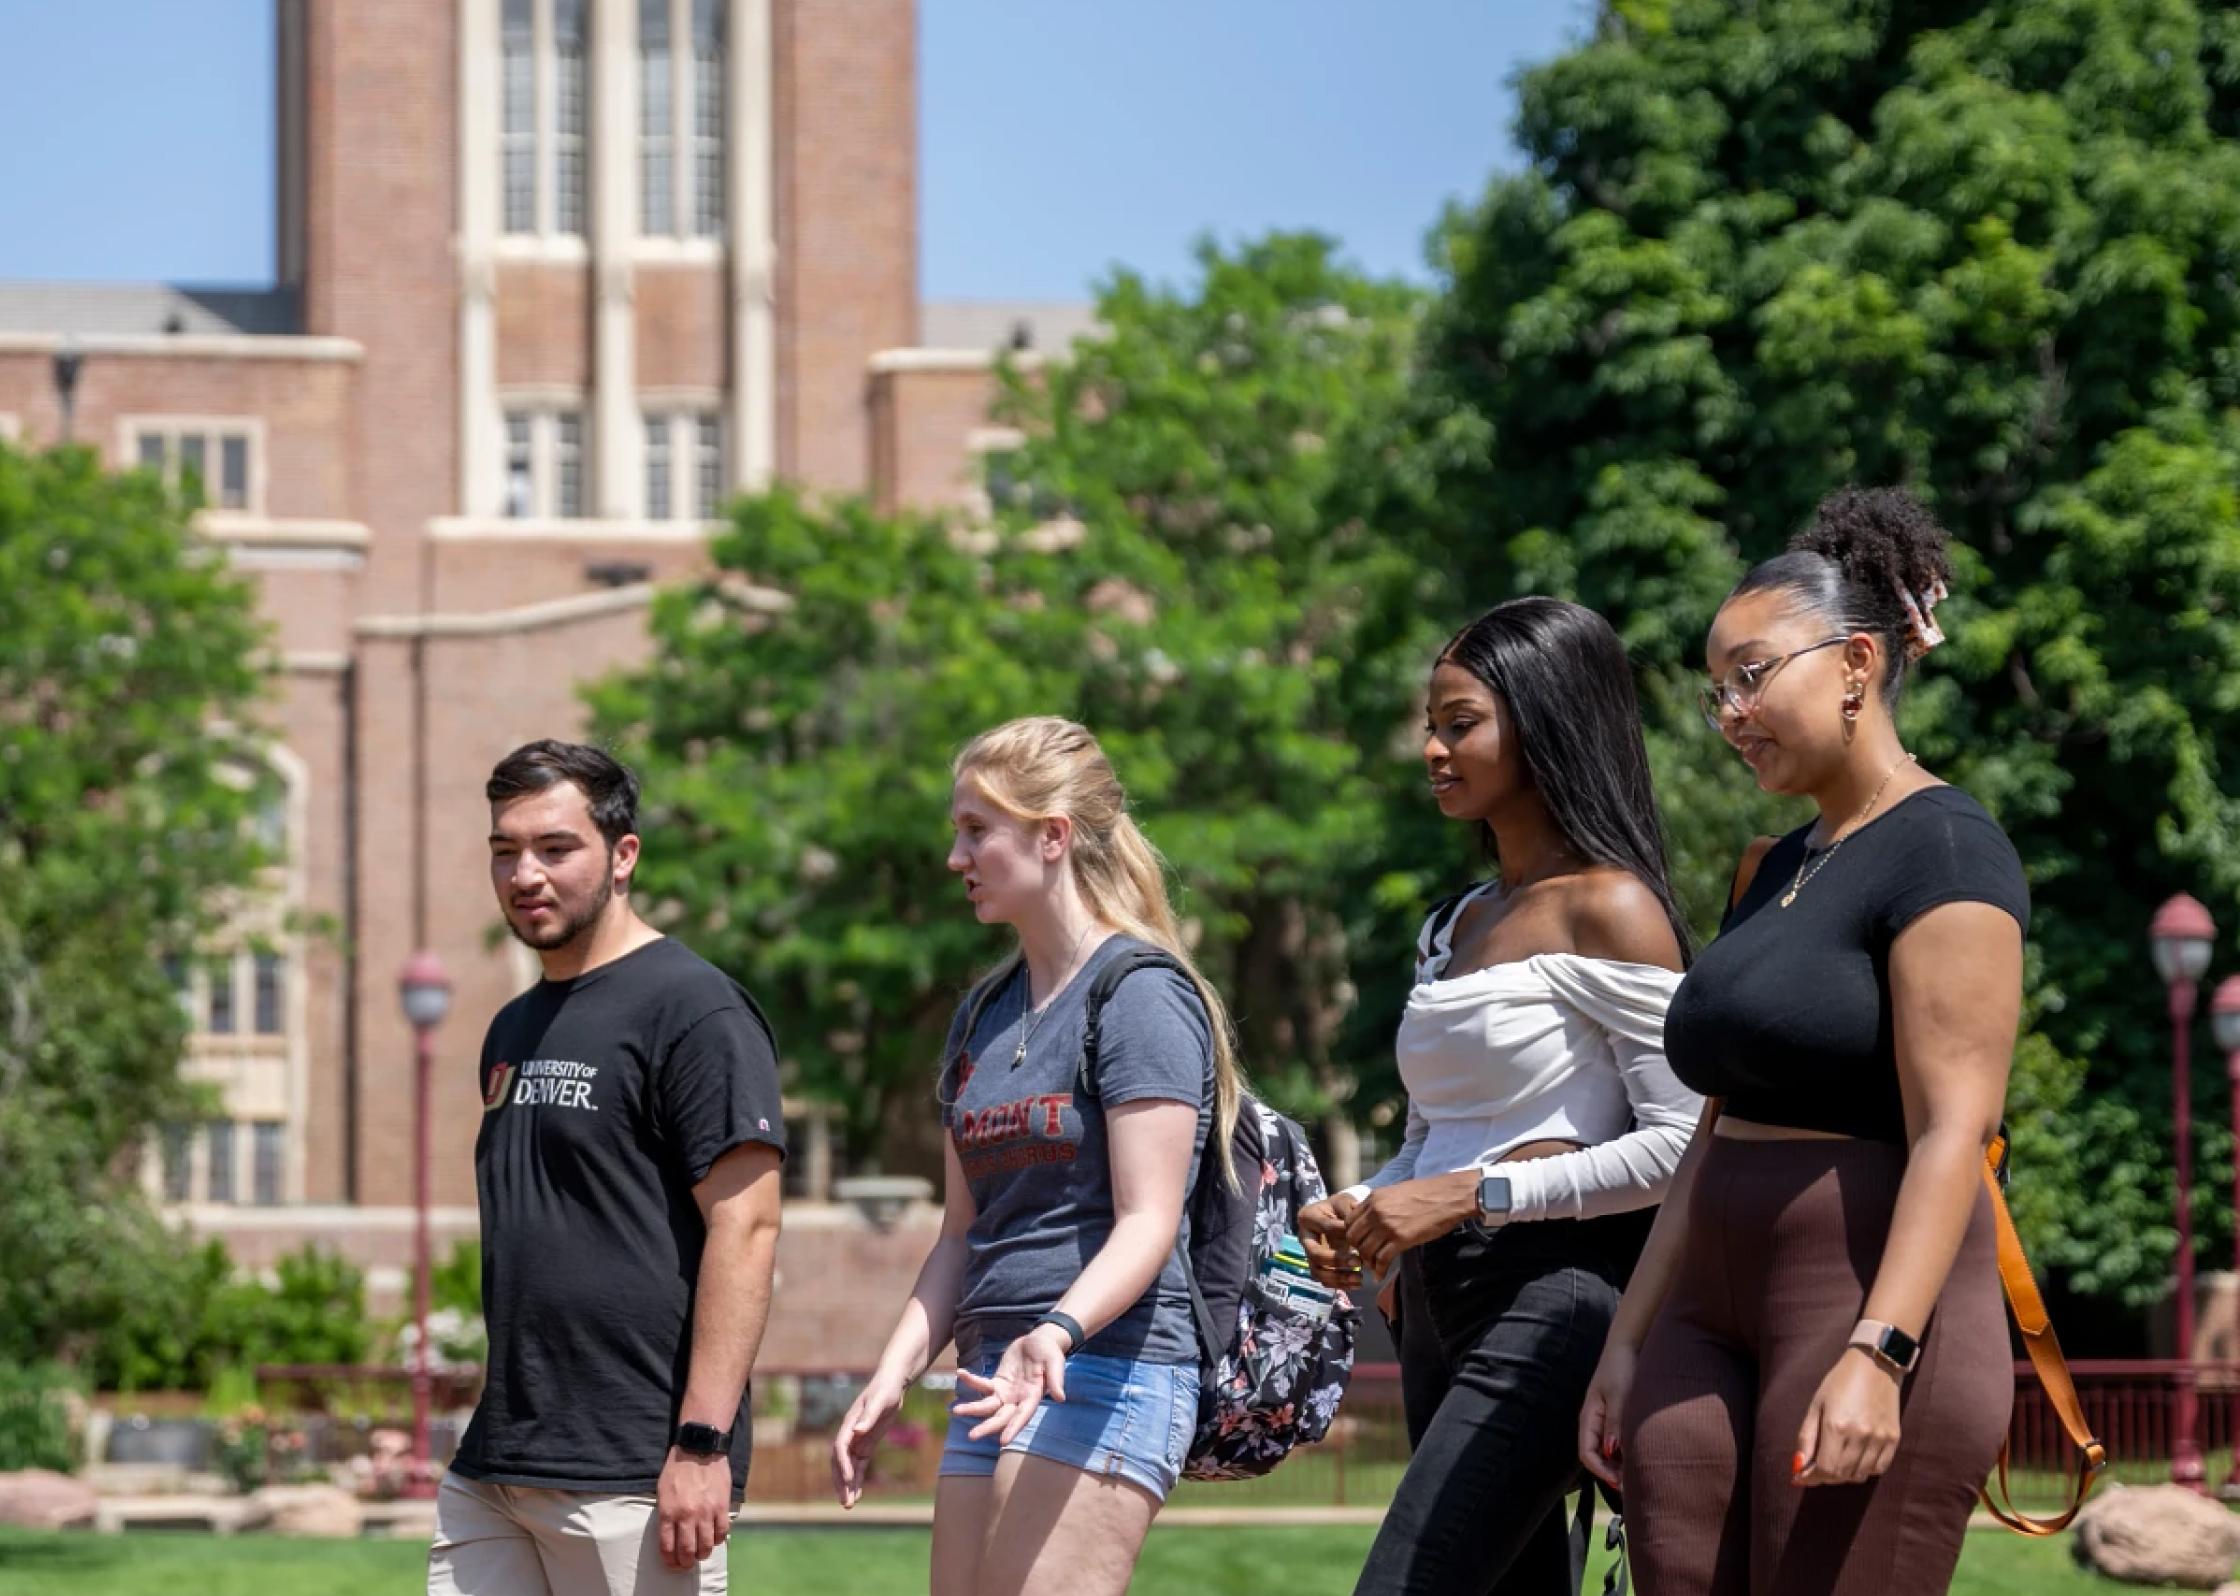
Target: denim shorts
x=1120, y=1419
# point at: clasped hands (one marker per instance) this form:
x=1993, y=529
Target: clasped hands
x=1344, y=1232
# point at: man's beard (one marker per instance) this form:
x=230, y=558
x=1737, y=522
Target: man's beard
x=559, y=936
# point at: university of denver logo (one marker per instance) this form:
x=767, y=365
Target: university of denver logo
x=494, y=1091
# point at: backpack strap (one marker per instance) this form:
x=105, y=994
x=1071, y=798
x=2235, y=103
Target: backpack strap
x=2044, y=1347
x=1101, y=987
x=1212, y=1342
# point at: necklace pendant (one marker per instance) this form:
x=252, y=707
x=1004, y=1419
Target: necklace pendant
x=1788, y=897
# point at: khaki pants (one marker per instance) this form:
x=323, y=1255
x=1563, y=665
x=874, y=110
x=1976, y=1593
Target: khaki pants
x=509, y=1540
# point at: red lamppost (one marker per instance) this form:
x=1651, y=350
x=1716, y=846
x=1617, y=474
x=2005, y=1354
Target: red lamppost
x=2224, y=1029
x=2182, y=936
x=425, y=991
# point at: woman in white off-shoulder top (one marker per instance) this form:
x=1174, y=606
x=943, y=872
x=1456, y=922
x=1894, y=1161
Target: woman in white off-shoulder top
x=1543, y=1122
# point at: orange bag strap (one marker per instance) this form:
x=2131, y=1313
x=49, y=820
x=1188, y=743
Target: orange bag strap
x=2044, y=1347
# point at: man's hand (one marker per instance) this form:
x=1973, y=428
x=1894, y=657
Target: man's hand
x=694, y=1499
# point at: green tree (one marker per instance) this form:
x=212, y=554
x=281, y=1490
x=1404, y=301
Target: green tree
x=1173, y=562
x=1223, y=450
x=1982, y=249
x=128, y=782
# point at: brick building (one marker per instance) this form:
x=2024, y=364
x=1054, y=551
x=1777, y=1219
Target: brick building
x=555, y=277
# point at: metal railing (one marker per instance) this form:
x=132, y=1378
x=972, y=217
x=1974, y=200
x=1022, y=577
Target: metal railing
x=2131, y=1405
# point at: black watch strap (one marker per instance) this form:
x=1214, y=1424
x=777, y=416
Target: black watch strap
x=702, y=1440
x=1070, y=1325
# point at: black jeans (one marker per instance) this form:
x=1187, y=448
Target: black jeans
x=1498, y=1338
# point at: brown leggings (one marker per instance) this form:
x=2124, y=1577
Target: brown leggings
x=1783, y=1242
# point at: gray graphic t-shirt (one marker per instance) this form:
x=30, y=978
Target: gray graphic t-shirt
x=1037, y=1160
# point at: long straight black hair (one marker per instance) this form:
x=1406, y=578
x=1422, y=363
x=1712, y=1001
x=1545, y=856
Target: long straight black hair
x=1569, y=687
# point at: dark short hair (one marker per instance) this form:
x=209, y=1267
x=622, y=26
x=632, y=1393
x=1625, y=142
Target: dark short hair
x=606, y=783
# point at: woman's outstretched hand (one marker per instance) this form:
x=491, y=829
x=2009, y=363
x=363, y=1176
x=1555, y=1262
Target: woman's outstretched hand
x=1032, y=1367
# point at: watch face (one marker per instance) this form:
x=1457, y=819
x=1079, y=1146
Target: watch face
x=1493, y=1195
x=700, y=1438
x=1900, y=1348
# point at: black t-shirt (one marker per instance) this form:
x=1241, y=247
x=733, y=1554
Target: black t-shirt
x=1787, y=1014
x=606, y=1099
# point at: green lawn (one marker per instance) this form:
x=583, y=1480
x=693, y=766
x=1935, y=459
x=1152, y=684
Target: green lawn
x=1181, y=1561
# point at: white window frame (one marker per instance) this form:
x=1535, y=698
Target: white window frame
x=660, y=466
x=687, y=145
x=707, y=151
x=681, y=416
x=231, y=1163
x=260, y=1075
x=546, y=235
x=579, y=142
x=215, y=432
x=543, y=412
x=253, y=1196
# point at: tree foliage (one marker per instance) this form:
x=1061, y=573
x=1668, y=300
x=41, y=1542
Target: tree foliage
x=128, y=781
x=1986, y=250
x=1165, y=564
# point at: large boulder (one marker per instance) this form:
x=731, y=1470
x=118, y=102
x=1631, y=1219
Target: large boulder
x=43, y=1499
x=2159, y=1535
x=325, y=1510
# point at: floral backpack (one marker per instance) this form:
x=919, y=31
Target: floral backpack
x=1275, y=1350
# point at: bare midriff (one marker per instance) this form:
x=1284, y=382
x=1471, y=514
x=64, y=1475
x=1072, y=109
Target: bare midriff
x=1529, y=1151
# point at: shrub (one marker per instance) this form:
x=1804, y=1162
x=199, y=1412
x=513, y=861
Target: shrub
x=35, y=1430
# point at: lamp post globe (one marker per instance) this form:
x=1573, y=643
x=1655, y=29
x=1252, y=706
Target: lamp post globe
x=424, y=989
x=2224, y=1018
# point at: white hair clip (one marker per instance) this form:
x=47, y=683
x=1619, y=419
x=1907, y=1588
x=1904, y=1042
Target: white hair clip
x=1923, y=634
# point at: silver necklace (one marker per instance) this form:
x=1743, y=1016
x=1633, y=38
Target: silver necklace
x=1804, y=877
x=1031, y=1021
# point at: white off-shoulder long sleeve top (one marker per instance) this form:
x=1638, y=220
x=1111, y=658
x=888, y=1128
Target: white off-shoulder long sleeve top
x=1554, y=1047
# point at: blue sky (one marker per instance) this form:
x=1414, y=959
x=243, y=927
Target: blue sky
x=1058, y=136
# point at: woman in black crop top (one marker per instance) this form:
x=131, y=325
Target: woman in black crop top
x=1809, y=1375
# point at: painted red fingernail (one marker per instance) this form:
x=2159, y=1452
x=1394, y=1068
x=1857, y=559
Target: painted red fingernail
x=1609, y=1446
x=1796, y=1466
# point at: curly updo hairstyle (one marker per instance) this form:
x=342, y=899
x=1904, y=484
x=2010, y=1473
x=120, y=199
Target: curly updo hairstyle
x=1866, y=551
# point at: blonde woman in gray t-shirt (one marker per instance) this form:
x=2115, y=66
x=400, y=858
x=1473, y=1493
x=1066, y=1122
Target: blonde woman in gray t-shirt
x=1059, y=1270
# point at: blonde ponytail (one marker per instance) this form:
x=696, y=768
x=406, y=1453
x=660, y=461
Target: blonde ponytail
x=1045, y=766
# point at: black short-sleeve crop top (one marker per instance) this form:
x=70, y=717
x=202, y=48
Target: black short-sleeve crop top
x=1787, y=1014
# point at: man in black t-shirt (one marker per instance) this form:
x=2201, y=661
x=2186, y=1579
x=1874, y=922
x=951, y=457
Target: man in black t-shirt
x=627, y=1170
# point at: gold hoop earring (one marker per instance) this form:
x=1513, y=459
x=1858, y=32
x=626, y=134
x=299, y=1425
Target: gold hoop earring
x=1854, y=701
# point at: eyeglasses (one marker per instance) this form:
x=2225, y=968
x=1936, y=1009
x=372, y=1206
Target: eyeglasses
x=1738, y=692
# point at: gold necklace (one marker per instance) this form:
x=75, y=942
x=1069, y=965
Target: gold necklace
x=1804, y=878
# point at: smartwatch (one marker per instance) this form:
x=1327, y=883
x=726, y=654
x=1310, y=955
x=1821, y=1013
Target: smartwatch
x=1891, y=1347
x=1493, y=1201
x=702, y=1440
